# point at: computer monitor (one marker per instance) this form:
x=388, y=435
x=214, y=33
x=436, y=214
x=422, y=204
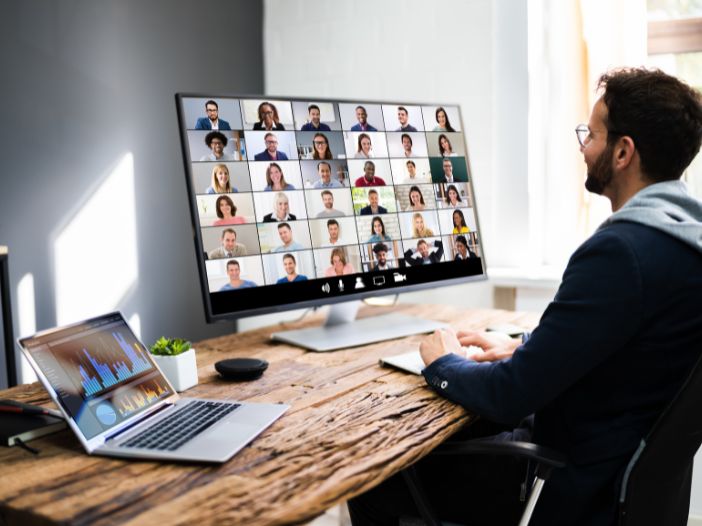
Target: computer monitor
x=299, y=202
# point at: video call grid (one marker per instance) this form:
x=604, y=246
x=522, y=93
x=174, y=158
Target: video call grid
x=392, y=185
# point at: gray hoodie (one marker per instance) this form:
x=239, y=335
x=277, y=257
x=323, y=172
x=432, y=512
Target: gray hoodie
x=665, y=206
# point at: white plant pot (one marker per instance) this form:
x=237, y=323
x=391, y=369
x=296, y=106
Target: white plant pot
x=181, y=370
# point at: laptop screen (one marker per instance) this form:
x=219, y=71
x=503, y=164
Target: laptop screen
x=99, y=371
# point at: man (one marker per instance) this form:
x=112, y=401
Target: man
x=329, y=210
x=368, y=178
x=314, y=123
x=216, y=142
x=325, y=179
x=463, y=253
x=333, y=229
x=290, y=266
x=407, y=145
x=403, y=117
x=381, y=257
x=212, y=121
x=447, y=175
x=229, y=248
x=286, y=237
x=362, y=118
x=282, y=210
x=623, y=330
x=373, y=208
x=271, y=152
x=424, y=255
x=235, y=281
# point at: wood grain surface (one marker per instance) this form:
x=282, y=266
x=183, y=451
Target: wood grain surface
x=352, y=424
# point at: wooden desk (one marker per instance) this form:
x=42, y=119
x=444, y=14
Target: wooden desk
x=351, y=425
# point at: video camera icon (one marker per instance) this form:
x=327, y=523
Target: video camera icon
x=399, y=277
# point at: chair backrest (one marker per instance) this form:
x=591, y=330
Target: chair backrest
x=656, y=486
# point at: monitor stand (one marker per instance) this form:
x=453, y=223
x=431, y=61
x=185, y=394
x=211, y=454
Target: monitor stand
x=341, y=329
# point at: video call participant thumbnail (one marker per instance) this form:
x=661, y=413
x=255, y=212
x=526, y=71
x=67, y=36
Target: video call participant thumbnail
x=286, y=238
x=290, y=266
x=373, y=207
x=368, y=178
x=220, y=183
x=378, y=233
x=268, y=118
x=275, y=179
x=216, y=142
x=447, y=172
x=329, y=210
x=271, y=152
x=442, y=121
x=403, y=119
x=381, y=257
x=339, y=266
x=423, y=255
x=226, y=212
x=324, y=171
x=362, y=118
x=314, y=123
x=212, y=121
x=282, y=210
x=463, y=252
x=235, y=281
x=229, y=247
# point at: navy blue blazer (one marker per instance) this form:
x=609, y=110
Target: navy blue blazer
x=608, y=355
x=265, y=156
x=367, y=211
x=369, y=128
x=203, y=123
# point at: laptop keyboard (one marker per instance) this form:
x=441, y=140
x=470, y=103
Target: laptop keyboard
x=183, y=425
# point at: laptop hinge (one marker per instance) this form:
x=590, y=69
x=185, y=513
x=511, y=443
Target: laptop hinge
x=136, y=423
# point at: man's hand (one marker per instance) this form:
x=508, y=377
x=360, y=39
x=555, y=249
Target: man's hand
x=442, y=342
x=496, y=346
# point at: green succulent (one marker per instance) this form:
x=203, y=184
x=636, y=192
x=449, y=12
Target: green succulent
x=170, y=346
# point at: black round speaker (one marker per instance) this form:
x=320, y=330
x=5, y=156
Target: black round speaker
x=241, y=368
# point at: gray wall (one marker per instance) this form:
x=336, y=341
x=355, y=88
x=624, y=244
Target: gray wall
x=83, y=82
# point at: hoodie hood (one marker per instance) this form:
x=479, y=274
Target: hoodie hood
x=665, y=206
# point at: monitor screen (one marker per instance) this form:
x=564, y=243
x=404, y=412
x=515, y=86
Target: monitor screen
x=298, y=202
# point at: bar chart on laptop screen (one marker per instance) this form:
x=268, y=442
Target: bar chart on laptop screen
x=105, y=359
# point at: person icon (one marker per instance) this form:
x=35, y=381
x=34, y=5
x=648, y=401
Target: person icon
x=368, y=178
x=442, y=121
x=362, y=118
x=423, y=254
x=359, y=283
x=268, y=118
x=403, y=118
x=339, y=266
x=313, y=120
x=324, y=171
x=407, y=145
x=463, y=252
x=381, y=257
x=286, y=237
x=281, y=211
x=328, y=202
x=334, y=230
x=235, y=281
x=212, y=121
x=226, y=212
x=271, y=152
x=290, y=267
x=373, y=207
x=229, y=247
x=216, y=141
x=365, y=148
x=220, y=183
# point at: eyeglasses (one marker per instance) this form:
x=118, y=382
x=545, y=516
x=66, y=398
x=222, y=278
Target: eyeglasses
x=319, y=142
x=582, y=132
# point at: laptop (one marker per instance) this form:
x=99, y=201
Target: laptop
x=118, y=402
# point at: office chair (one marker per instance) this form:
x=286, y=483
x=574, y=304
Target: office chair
x=657, y=480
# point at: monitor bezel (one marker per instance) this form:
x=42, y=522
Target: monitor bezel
x=328, y=300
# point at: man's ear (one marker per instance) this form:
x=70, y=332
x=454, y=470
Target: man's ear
x=624, y=151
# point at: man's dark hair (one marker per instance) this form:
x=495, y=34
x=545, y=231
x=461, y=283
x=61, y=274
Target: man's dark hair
x=402, y=138
x=412, y=163
x=372, y=191
x=661, y=114
x=228, y=231
x=332, y=222
x=327, y=192
x=313, y=107
x=284, y=225
x=232, y=263
x=361, y=108
x=323, y=162
x=380, y=247
x=402, y=108
x=211, y=102
x=215, y=135
x=289, y=256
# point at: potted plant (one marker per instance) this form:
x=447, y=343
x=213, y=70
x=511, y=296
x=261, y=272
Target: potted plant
x=176, y=359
